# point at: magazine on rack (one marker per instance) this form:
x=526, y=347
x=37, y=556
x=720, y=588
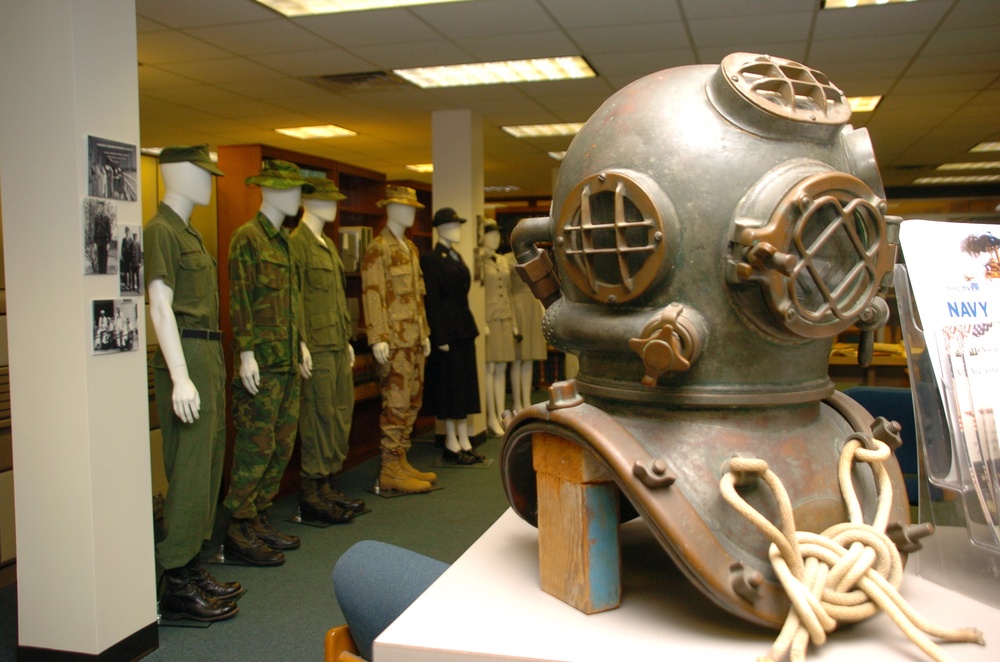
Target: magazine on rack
x=954, y=273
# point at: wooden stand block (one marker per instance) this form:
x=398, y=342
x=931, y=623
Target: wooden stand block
x=580, y=561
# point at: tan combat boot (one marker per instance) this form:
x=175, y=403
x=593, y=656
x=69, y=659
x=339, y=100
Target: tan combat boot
x=394, y=477
x=428, y=476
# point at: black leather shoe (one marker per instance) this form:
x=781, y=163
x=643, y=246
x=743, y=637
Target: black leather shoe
x=474, y=453
x=341, y=500
x=271, y=537
x=212, y=586
x=243, y=544
x=182, y=598
x=461, y=457
x=324, y=511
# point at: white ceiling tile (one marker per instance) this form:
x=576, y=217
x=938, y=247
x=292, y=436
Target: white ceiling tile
x=598, y=13
x=322, y=62
x=277, y=36
x=734, y=30
x=276, y=88
x=369, y=27
x=792, y=50
x=931, y=65
x=524, y=45
x=876, y=21
x=196, y=96
x=890, y=47
x=412, y=54
x=483, y=17
x=695, y=9
x=955, y=82
x=984, y=39
x=972, y=14
x=631, y=37
x=633, y=65
x=191, y=13
x=174, y=46
x=152, y=78
x=220, y=70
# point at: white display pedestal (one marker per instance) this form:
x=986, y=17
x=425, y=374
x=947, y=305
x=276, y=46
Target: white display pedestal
x=488, y=607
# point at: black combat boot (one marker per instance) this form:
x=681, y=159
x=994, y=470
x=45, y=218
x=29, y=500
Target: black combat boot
x=243, y=544
x=332, y=495
x=270, y=536
x=182, y=598
x=212, y=586
x=312, y=506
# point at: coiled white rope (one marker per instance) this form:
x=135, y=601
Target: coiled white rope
x=845, y=574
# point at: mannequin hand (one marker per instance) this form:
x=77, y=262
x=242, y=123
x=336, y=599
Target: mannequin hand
x=350, y=355
x=187, y=402
x=443, y=348
x=427, y=347
x=380, y=351
x=486, y=330
x=306, y=367
x=249, y=372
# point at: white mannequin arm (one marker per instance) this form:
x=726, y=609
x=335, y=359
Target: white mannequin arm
x=380, y=351
x=427, y=347
x=306, y=367
x=249, y=372
x=350, y=355
x=186, y=401
x=444, y=348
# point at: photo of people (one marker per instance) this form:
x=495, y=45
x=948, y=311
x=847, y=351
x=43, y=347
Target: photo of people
x=130, y=260
x=112, y=169
x=100, y=243
x=115, y=326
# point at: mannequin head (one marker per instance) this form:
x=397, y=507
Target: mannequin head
x=276, y=203
x=400, y=217
x=450, y=233
x=325, y=210
x=188, y=181
x=491, y=237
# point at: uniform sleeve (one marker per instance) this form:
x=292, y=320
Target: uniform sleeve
x=242, y=278
x=296, y=251
x=162, y=254
x=373, y=290
x=433, y=302
x=425, y=330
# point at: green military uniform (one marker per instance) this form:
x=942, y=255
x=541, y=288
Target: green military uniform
x=328, y=396
x=192, y=452
x=265, y=306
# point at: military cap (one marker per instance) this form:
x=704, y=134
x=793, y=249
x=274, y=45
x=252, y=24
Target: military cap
x=196, y=154
x=490, y=225
x=322, y=189
x=275, y=173
x=401, y=194
x=447, y=215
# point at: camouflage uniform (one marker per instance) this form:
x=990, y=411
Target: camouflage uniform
x=192, y=452
x=393, y=295
x=266, y=311
x=328, y=396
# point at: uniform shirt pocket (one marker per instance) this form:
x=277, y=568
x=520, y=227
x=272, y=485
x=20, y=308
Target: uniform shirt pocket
x=320, y=277
x=195, y=277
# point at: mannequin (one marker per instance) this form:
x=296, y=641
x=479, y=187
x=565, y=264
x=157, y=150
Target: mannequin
x=269, y=338
x=502, y=327
x=393, y=296
x=327, y=404
x=452, y=385
x=528, y=313
x=189, y=381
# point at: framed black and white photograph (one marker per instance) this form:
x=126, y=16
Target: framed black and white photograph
x=111, y=171
x=115, y=326
x=130, y=260
x=100, y=232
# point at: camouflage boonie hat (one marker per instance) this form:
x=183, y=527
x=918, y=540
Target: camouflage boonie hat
x=196, y=154
x=323, y=189
x=279, y=174
x=403, y=195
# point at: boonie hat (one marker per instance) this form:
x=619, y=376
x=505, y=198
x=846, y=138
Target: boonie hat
x=404, y=195
x=322, y=189
x=447, y=215
x=275, y=173
x=196, y=154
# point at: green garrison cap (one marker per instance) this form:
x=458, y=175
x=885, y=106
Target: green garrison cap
x=279, y=174
x=196, y=154
x=323, y=189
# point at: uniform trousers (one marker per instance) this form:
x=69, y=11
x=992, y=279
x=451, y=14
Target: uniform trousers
x=192, y=453
x=401, y=379
x=325, y=414
x=265, y=437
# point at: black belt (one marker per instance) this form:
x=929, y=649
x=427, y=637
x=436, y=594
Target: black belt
x=201, y=334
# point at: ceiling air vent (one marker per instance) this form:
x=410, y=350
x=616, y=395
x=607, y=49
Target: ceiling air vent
x=364, y=81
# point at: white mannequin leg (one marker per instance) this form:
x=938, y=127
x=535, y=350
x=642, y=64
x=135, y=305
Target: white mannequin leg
x=496, y=384
x=527, y=372
x=462, y=425
x=450, y=438
x=518, y=400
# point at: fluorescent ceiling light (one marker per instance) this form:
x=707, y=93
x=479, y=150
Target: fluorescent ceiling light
x=422, y=168
x=501, y=189
x=974, y=165
x=490, y=73
x=313, y=7
x=543, y=130
x=986, y=147
x=863, y=104
x=319, y=131
x=558, y=156
x=967, y=179
x=851, y=4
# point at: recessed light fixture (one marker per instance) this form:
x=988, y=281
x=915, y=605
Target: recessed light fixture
x=422, y=168
x=851, y=4
x=973, y=165
x=543, y=130
x=318, y=131
x=965, y=179
x=863, y=104
x=508, y=188
x=491, y=73
x=986, y=147
x=313, y=7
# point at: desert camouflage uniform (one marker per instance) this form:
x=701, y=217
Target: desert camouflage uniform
x=393, y=295
x=266, y=311
x=328, y=396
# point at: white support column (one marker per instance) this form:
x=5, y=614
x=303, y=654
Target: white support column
x=458, y=183
x=80, y=423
